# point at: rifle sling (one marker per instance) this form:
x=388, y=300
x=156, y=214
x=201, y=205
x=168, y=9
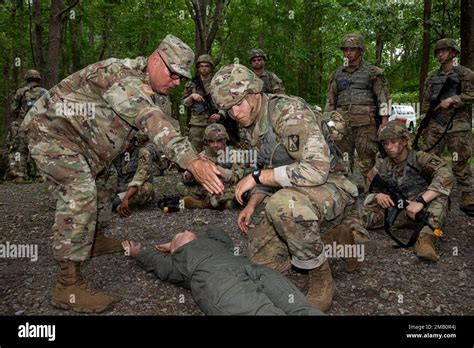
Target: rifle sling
x=400, y=244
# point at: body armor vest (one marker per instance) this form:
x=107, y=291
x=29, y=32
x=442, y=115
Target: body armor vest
x=439, y=80
x=267, y=83
x=412, y=182
x=356, y=88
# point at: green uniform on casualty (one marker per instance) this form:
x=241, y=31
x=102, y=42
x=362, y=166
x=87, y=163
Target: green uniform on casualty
x=79, y=127
x=305, y=195
x=358, y=91
x=455, y=104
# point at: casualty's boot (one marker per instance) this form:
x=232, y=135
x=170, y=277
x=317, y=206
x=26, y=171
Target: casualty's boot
x=72, y=292
x=321, y=287
x=193, y=203
x=343, y=235
x=425, y=247
x=104, y=245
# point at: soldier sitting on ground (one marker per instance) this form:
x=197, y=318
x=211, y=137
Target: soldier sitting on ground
x=424, y=179
x=222, y=283
x=135, y=174
x=194, y=196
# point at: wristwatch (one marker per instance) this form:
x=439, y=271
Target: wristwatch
x=421, y=200
x=256, y=175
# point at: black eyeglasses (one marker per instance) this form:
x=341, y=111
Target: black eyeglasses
x=173, y=76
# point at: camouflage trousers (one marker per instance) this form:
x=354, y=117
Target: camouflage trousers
x=196, y=135
x=459, y=144
x=364, y=140
x=145, y=194
x=19, y=159
x=200, y=193
x=84, y=200
x=289, y=233
x=372, y=215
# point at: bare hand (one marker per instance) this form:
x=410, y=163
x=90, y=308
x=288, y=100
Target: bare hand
x=131, y=248
x=197, y=97
x=123, y=208
x=445, y=103
x=206, y=173
x=384, y=200
x=246, y=184
x=164, y=248
x=244, y=218
x=214, y=118
x=413, y=208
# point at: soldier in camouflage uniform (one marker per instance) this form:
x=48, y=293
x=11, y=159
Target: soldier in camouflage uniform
x=215, y=139
x=193, y=98
x=359, y=91
x=135, y=174
x=79, y=127
x=424, y=178
x=457, y=102
x=271, y=83
x=17, y=143
x=305, y=194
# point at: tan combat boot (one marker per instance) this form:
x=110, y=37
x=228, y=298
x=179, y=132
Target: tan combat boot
x=193, y=203
x=104, y=245
x=425, y=248
x=72, y=292
x=321, y=287
x=342, y=234
x=466, y=198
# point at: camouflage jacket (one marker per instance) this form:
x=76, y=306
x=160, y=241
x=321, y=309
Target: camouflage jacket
x=297, y=128
x=197, y=119
x=271, y=83
x=421, y=171
x=135, y=167
x=24, y=98
x=97, y=110
x=462, y=97
x=356, y=114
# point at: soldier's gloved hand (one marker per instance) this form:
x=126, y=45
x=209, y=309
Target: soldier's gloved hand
x=206, y=173
x=226, y=174
x=384, y=200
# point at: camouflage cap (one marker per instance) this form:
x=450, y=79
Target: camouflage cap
x=232, y=83
x=32, y=74
x=336, y=124
x=204, y=58
x=446, y=43
x=353, y=40
x=393, y=129
x=256, y=52
x=215, y=131
x=177, y=54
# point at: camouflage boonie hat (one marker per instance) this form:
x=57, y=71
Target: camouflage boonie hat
x=336, y=125
x=393, y=129
x=32, y=74
x=177, y=54
x=232, y=83
x=353, y=40
x=256, y=52
x=204, y=58
x=446, y=43
x=214, y=132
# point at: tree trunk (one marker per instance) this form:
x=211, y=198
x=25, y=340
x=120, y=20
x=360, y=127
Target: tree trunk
x=38, y=36
x=425, y=58
x=378, y=49
x=54, y=45
x=467, y=33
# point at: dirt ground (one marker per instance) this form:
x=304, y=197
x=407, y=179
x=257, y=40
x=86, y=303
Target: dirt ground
x=389, y=282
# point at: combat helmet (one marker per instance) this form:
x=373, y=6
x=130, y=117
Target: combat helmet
x=32, y=75
x=392, y=130
x=205, y=58
x=215, y=132
x=445, y=43
x=257, y=52
x=232, y=83
x=353, y=40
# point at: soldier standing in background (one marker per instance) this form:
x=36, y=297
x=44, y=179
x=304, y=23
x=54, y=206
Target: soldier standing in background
x=271, y=83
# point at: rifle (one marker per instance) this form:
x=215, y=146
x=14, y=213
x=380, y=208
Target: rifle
x=432, y=114
x=207, y=105
x=377, y=126
x=391, y=214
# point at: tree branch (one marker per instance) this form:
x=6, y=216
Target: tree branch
x=67, y=9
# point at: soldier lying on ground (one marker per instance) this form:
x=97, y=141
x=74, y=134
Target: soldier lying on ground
x=221, y=282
